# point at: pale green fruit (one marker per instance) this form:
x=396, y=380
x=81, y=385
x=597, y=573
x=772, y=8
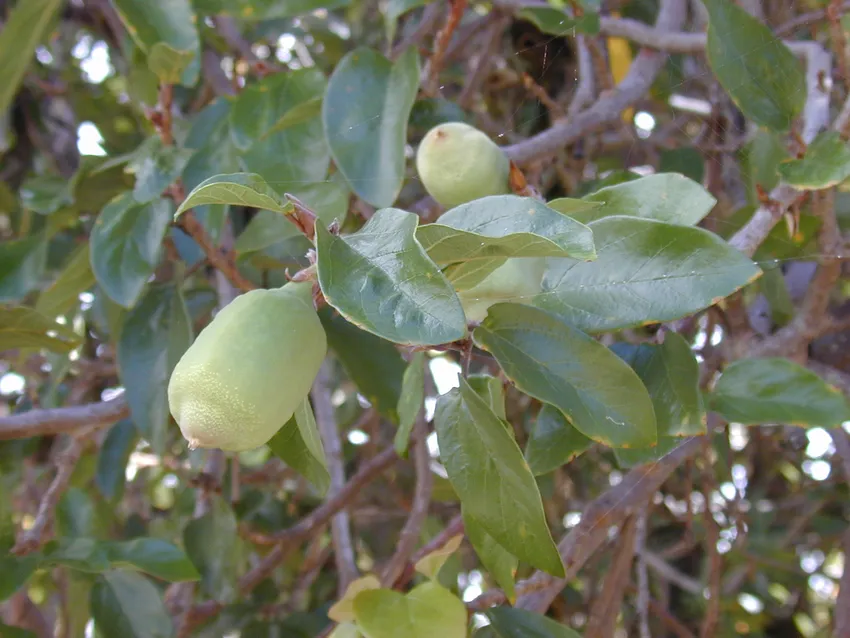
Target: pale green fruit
x=515, y=281
x=248, y=370
x=457, y=163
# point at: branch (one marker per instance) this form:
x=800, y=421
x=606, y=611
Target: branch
x=606, y=606
x=419, y=511
x=452, y=529
x=610, y=105
x=346, y=566
x=431, y=72
x=63, y=420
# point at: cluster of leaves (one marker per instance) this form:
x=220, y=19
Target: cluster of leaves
x=105, y=281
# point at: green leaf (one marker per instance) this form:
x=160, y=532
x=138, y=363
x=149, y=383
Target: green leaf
x=431, y=564
x=395, y=9
x=238, y=189
x=365, y=113
x=411, y=400
x=492, y=479
x=212, y=543
x=15, y=632
x=759, y=72
x=504, y=226
x=646, y=271
x=426, y=611
x=153, y=556
x=22, y=327
x=46, y=194
x=25, y=27
x=343, y=609
x=289, y=446
x=156, y=334
x=125, y=604
x=172, y=22
x=553, y=441
x=83, y=554
x=169, y=64
x=260, y=10
x=22, y=264
x=509, y=622
x=373, y=364
x=113, y=457
x=555, y=363
x=14, y=572
x=263, y=106
x=309, y=431
x=671, y=374
x=465, y=275
x=501, y=564
x=381, y=279
x=126, y=243
x=762, y=158
x=665, y=197
x=491, y=390
x=826, y=163
x=556, y=22
x=156, y=166
x=64, y=293
x=776, y=390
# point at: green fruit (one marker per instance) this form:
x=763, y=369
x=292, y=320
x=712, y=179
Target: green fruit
x=457, y=163
x=248, y=370
x=515, y=281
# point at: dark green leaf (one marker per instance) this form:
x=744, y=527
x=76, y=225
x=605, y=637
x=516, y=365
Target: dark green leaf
x=501, y=564
x=212, y=544
x=763, y=155
x=426, y=611
x=381, y=279
x=365, y=113
x=555, y=363
x=686, y=160
x=170, y=21
x=25, y=26
x=397, y=8
x=491, y=390
x=15, y=632
x=555, y=22
x=504, y=226
x=410, y=401
x=665, y=197
x=553, y=442
x=156, y=334
x=671, y=374
x=646, y=271
x=826, y=163
x=169, y=64
x=126, y=243
x=152, y=556
x=309, y=431
x=373, y=364
x=113, y=457
x=46, y=194
x=259, y=10
x=14, y=572
x=641, y=456
x=509, y=622
x=64, y=293
x=125, y=604
x=156, y=166
x=22, y=327
x=775, y=390
x=22, y=264
x=289, y=446
x=76, y=515
x=262, y=106
x=492, y=479
x=759, y=72
x=238, y=189
x=83, y=554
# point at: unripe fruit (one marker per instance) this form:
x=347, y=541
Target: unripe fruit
x=457, y=163
x=249, y=369
x=515, y=281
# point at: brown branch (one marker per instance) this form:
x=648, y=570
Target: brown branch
x=441, y=43
x=33, y=538
x=427, y=23
x=346, y=566
x=610, y=105
x=419, y=510
x=807, y=19
x=642, y=598
x=715, y=559
x=63, y=420
x=485, y=58
x=606, y=606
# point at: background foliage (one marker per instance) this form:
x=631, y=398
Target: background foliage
x=654, y=445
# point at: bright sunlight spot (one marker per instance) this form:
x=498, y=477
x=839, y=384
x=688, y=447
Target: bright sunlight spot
x=750, y=603
x=820, y=443
x=358, y=437
x=818, y=470
x=445, y=373
x=11, y=383
x=644, y=123
x=89, y=140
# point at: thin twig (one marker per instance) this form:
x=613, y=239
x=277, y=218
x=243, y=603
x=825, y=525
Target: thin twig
x=642, y=576
x=485, y=57
x=606, y=606
x=63, y=420
x=715, y=559
x=346, y=565
x=419, y=510
x=441, y=42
